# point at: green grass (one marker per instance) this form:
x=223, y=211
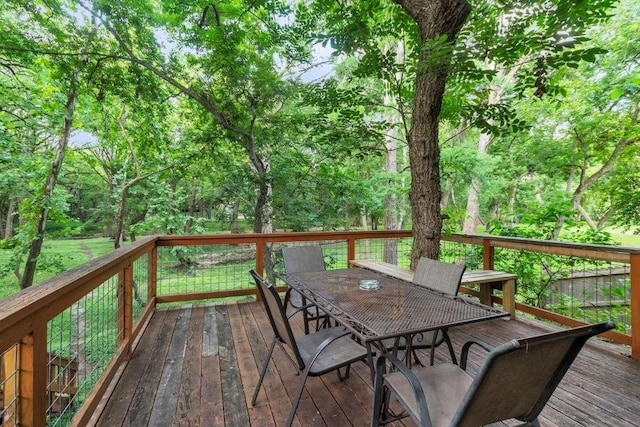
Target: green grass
x=57, y=256
x=626, y=239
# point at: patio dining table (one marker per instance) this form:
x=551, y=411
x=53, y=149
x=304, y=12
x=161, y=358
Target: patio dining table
x=398, y=309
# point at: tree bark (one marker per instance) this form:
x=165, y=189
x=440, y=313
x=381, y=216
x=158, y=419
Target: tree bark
x=234, y=217
x=434, y=18
x=36, y=244
x=8, y=227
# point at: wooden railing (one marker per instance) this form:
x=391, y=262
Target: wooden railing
x=128, y=278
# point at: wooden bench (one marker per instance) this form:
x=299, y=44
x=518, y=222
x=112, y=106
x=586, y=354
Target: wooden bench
x=487, y=279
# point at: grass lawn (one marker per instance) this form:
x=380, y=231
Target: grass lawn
x=626, y=239
x=57, y=256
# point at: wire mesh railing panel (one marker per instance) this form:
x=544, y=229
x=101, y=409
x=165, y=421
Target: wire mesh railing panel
x=9, y=387
x=184, y=270
x=583, y=289
x=140, y=286
x=81, y=341
x=461, y=253
x=395, y=251
x=334, y=252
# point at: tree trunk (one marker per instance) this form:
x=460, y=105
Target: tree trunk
x=36, y=244
x=264, y=204
x=234, y=217
x=8, y=227
x=472, y=216
x=434, y=18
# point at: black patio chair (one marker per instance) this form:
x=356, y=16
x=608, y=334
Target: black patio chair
x=315, y=354
x=303, y=259
x=442, y=277
x=515, y=381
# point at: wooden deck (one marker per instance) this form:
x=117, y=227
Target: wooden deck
x=198, y=366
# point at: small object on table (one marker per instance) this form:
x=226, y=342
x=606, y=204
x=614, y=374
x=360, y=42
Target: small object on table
x=369, y=285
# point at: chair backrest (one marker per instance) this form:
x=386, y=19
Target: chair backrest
x=302, y=259
x=277, y=315
x=518, y=378
x=441, y=276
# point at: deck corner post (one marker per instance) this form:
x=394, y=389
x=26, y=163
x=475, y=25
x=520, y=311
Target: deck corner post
x=27, y=388
x=635, y=305
x=488, y=255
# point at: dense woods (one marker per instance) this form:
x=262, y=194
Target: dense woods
x=124, y=118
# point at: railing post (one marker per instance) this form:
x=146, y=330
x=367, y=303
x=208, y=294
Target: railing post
x=26, y=381
x=634, y=276
x=351, y=248
x=488, y=253
x=260, y=256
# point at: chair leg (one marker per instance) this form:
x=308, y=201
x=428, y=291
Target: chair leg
x=263, y=372
x=379, y=400
x=346, y=373
x=295, y=403
x=451, y=353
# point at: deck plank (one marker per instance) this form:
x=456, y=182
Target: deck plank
x=210, y=381
x=166, y=402
x=211, y=398
x=188, y=405
x=235, y=408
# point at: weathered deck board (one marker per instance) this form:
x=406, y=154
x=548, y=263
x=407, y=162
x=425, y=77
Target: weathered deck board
x=166, y=402
x=199, y=366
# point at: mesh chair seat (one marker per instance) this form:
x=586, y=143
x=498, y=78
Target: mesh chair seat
x=515, y=382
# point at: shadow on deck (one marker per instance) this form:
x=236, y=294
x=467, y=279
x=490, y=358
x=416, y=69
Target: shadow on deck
x=198, y=366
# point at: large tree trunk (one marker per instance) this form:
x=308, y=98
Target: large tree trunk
x=434, y=18
x=36, y=244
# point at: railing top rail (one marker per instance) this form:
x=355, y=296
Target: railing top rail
x=594, y=251
x=44, y=301
x=278, y=237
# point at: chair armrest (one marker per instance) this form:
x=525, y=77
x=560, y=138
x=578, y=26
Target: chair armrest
x=299, y=309
x=465, y=351
x=421, y=402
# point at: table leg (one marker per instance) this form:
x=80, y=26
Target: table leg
x=485, y=294
x=371, y=362
x=509, y=297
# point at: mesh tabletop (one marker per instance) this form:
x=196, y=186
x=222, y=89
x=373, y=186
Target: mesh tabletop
x=397, y=308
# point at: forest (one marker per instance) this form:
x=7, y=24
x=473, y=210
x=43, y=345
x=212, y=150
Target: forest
x=120, y=119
